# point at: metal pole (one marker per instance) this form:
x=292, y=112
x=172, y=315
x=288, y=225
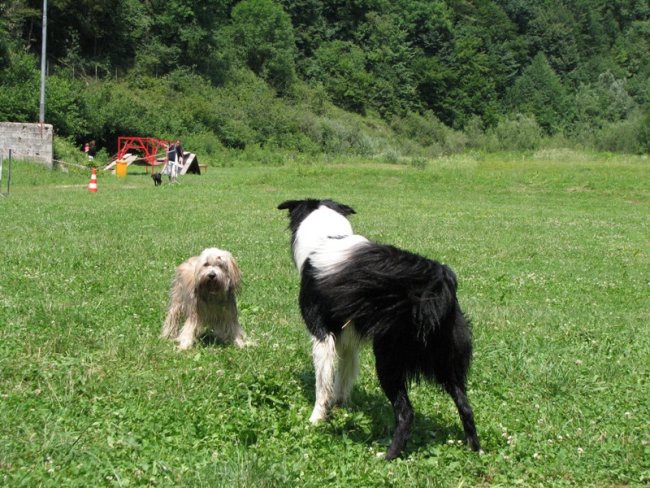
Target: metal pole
x=43, y=55
x=9, y=175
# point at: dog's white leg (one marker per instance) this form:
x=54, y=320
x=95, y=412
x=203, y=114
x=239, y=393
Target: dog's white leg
x=324, y=354
x=347, y=348
x=240, y=339
x=188, y=333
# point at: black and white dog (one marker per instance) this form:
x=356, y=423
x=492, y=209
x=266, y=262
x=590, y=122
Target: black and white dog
x=354, y=289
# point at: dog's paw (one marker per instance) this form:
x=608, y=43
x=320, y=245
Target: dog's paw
x=317, y=416
x=184, y=346
x=244, y=342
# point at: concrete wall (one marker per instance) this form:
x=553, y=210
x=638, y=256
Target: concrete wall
x=27, y=141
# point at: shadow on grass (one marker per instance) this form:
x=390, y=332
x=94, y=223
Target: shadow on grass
x=209, y=340
x=426, y=430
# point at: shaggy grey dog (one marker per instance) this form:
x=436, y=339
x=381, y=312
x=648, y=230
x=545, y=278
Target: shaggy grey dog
x=202, y=300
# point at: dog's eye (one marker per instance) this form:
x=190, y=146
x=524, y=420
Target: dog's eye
x=206, y=264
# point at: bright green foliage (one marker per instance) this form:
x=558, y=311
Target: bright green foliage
x=515, y=132
x=644, y=132
x=19, y=93
x=428, y=131
x=630, y=134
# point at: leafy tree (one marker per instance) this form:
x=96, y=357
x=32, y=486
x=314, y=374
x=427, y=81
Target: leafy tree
x=19, y=93
x=182, y=27
x=4, y=45
x=310, y=27
x=539, y=91
x=603, y=102
x=346, y=17
x=435, y=80
x=595, y=29
x=552, y=31
x=471, y=89
x=64, y=105
x=429, y=25
x=631, y=53
x=520, y=12
x=340, y=66
x=263, y=36
x=389, y=59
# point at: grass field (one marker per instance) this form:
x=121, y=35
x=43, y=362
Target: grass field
x=552, y=255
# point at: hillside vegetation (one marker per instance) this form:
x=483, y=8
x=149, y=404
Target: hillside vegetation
x=377, y=78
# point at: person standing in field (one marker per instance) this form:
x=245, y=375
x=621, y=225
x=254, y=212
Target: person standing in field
x=171, y=168
x=92, y=150
x=180, y=154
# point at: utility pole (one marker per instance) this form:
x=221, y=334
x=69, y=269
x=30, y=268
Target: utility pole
x=43, y=64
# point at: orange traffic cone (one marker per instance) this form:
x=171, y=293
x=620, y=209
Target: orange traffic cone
x=92, y=186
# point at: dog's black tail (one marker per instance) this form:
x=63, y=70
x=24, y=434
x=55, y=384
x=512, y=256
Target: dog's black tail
x=434, y=301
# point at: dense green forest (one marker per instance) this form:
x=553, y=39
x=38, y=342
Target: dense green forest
x=367, y=77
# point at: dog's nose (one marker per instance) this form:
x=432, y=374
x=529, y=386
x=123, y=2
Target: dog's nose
x=212, y=275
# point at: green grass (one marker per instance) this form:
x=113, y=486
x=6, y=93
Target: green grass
x=551, y=251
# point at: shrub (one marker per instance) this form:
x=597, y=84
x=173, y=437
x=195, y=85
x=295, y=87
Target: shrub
x=629, y=135
x=602, y=102
x=428, y=131
x=474, y=132
x=66, y=150
x=644, y=132
x=206, y=145
x=64, y=107
x=515, y=132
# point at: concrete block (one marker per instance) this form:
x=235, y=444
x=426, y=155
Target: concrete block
x=27, y=141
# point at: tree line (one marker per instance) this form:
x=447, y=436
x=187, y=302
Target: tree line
x=446, y=73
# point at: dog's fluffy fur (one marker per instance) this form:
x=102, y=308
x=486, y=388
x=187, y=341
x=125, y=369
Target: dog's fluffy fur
x=202, y=300
x=353, y=289
x=157, y=179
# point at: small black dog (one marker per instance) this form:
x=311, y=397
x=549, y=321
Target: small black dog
x=157, y=179
x=352, y=290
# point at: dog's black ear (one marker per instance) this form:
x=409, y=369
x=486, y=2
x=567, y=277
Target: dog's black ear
x=341, y=208
x=345, y=209
x=289, y=205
